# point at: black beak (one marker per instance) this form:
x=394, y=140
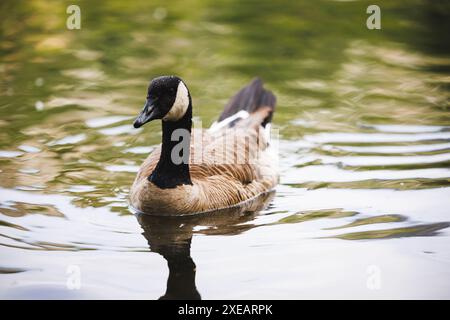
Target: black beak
x=147, y=114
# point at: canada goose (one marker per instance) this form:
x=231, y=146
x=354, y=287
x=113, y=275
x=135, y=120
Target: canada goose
x=195, y=171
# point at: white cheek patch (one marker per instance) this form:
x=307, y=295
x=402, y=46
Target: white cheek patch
x=180, y=105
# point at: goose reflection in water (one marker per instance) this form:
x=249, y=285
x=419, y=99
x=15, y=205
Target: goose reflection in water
x=171, y=237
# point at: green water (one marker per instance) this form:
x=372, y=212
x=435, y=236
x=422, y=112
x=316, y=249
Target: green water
x=364, y=151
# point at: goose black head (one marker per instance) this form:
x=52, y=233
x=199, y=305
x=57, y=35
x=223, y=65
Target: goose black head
x=168, y=99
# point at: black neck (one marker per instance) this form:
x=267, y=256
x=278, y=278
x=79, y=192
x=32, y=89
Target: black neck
x=167, y=174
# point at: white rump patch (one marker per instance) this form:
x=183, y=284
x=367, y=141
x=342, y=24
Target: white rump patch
x=180, y=105
x=216, y=126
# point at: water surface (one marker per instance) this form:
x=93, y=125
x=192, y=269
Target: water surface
x=362, y=210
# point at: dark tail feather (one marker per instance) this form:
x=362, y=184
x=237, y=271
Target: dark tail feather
x=250, y=99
